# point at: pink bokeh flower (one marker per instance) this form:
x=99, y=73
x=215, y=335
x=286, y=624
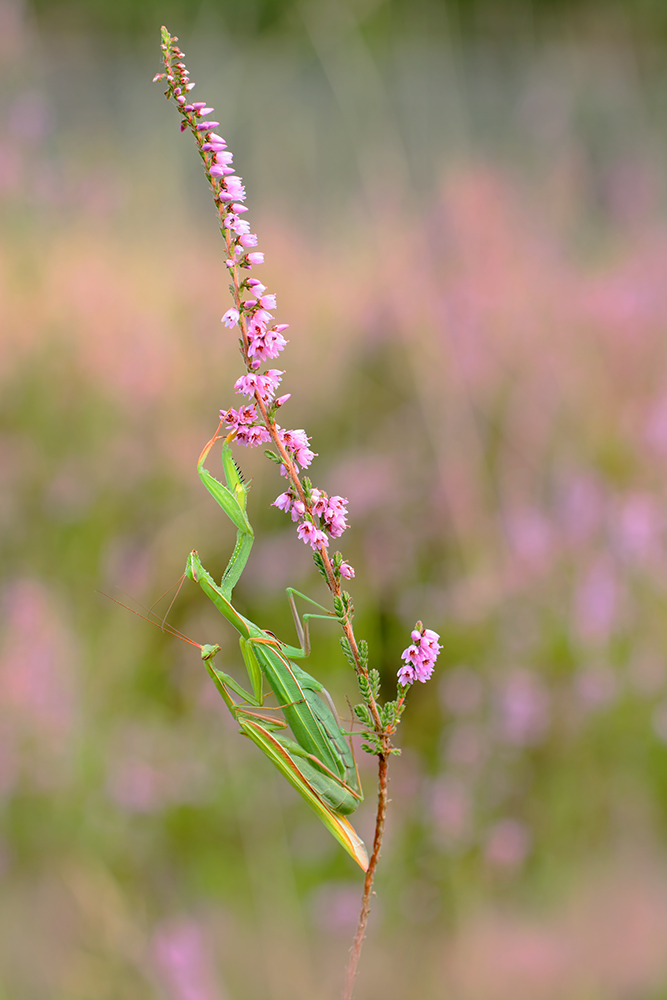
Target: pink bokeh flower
x=183, y=961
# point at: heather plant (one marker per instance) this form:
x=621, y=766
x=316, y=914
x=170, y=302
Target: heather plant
x=317, y=759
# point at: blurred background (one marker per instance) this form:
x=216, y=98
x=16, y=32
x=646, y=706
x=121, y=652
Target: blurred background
x=463, y=210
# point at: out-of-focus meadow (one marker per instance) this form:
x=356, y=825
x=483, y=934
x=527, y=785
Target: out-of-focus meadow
x=468, y=236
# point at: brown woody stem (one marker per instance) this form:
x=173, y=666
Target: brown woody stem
x=357, y=944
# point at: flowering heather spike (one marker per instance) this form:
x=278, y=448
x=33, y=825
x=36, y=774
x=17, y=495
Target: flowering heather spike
x=319, y=517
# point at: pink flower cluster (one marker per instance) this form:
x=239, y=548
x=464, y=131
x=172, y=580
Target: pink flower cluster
x=249, y=427
x=251, y=431
x=420, y=656
x=262, y=339
x=330, y=513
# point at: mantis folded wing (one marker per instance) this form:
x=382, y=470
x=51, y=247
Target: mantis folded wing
x=319, y=761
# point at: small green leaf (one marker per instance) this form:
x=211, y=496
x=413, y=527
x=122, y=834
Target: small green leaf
x=319, y=562
x=347, y=650
x=390, y=714
x=373, y=744
x=362, y=713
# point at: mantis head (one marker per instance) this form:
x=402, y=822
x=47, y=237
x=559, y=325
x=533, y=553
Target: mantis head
x=208, y=652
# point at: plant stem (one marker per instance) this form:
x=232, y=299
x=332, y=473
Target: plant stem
x=357, y=944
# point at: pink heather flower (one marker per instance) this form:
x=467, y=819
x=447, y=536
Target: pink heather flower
x=298, y=510
x=264, y=344
x=246, y=385
x=420, y=656
x=250, y=240
x=335, y=516
x=261, y=317
x=303, y=456
x=220, y=170
x=265, y=384
x=233, y=190
x=245, y=416
x=283, y=502
x=319, y=502
x=239, y=226
x=255, y=258
x=252, y=437
x=335, y=524
x=339, y=504
x=267, y=301
x=270, y=381
x=230, y=318
x=257, y=349
x=296, y=443
x=257, y=326
x=346, y=570
x=281, y=400
x=257, y=288
x=274, y=342
x=308, y=533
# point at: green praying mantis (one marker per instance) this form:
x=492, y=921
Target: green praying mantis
x=318, y=761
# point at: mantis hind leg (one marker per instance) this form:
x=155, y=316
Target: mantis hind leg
x=302, y=627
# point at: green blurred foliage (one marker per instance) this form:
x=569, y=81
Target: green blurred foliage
x=379, y=19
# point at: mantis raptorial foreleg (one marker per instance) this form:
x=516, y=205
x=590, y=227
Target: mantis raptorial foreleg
x=319, y=761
